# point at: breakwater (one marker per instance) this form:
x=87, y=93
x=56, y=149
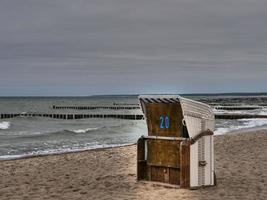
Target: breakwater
x=96, y=107
x=237, y=107
x=238, y=116
x=72, y=116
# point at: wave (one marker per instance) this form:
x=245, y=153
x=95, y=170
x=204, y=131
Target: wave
x=249, y=123
x=246, y=123
x=263, y=111
x=4, y=125
x=85, y=130
x=260, y=111
x=68, y=132
x=34, y=135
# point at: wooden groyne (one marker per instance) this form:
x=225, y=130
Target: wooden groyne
x=238, y=116
x=234, y=104
x=125, y=104
x=237, y=107
x=96, y=107
x=73, y=116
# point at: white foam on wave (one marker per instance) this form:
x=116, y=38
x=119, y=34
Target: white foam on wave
x=263, y=111
x=246, y=123
x=86, y=130
x=249, y=123
x=11, y=157
x=244, y=112
x=4, y=125
x=259, y=111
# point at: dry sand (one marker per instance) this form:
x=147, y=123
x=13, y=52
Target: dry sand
x=241, y=168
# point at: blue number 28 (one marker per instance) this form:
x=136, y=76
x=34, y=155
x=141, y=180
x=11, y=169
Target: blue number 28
x=164, y=122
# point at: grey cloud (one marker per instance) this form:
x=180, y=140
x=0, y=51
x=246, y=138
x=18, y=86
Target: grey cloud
x=64, y=47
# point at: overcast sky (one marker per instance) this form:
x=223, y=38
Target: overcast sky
x=86, y=47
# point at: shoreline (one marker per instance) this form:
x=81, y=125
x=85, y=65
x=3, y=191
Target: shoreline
x=27, y=156
x=62, y=153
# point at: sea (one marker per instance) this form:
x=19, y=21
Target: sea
x=30, y=136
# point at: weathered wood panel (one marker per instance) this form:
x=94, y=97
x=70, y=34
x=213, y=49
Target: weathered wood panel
x=185, y=164
x=174, y=176
x=163, y=160
x=148, y=172
x=141, y=163
x=142, y=171
x=172, y=110
x=163, y=153
x=141, y=149
x=160, y=174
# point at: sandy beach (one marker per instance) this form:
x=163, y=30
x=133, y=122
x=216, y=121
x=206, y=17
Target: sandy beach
x=240, y=164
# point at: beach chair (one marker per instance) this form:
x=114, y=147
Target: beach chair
x=178, y=149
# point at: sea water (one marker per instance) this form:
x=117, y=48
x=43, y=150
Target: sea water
x=27, y=136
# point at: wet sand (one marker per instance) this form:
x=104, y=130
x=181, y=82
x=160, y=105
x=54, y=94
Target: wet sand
x=240, y=164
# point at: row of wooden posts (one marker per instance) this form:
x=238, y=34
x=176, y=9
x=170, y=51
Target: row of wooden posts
x=238, y=116
x=73, y=116
x=97, y=107
x=237, y=107
x=235, y=104
x=118, y=116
